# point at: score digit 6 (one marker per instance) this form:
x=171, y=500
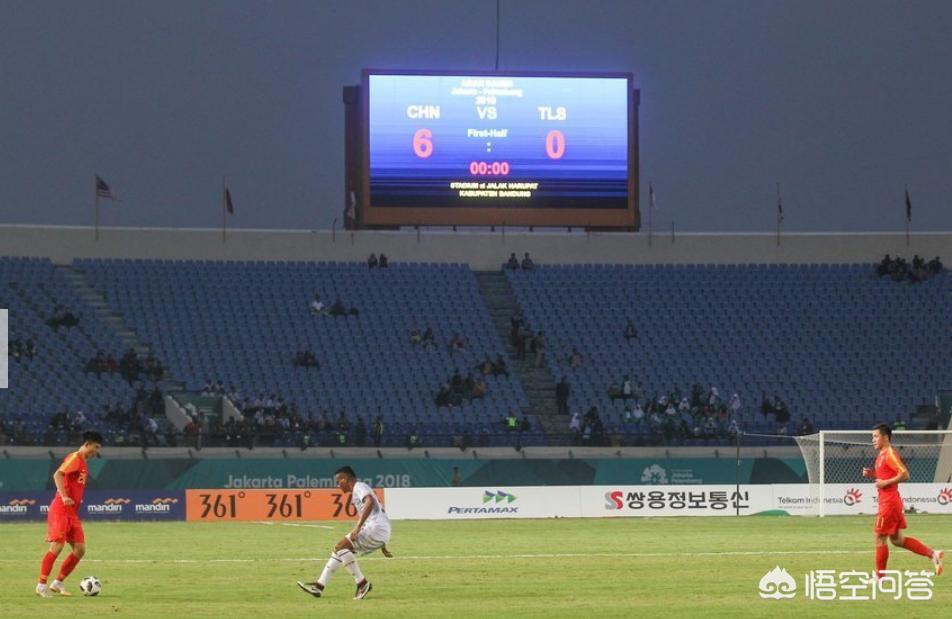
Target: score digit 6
x=423, y=143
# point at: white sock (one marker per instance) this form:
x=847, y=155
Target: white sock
x=333, y=564
x=350, y=562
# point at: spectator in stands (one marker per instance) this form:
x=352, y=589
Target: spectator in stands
x=513, y=263
x=29, y=347
x=626, y=390
x=735, y=404
x=684, y=406
x=485, y=367
x=899, y=424
x=456, y=343
x=538, y=344
x=443, y=396
x=479, y=388
x=317, y=306
x=575, y=359
x=500, y=367
x=129, y=366
x=413, y=439
x=62, y=317
x=415, y=338
x=360, y=432
x=428, y=338
x=631, y=333
x=208, y=389
x=806, y=427
x=527, y=264
x=575, y=425
x=343, y=423
x=562, y=391
x=524, y=425
x=522, y=341
x=885, y=266
x=372, y=261
x=305, y=358
x=935, y=266
x=377, y=431
x=512, y=423
x=614, y=391
x=780, y=408
x=384, y=263
x=638, y=414
x=15, y=350
x=338, y=308
x=515, y=321
x=713, y=397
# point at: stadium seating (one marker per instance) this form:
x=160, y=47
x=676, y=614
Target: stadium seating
x=54, y=380
x=838, y=344
x=241, y=323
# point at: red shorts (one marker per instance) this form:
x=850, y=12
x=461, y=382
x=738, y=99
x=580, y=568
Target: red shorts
x=63, y=525
x=889, y=519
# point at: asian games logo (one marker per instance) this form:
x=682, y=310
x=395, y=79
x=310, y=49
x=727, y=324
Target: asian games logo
x=853, y=497
x=945, y=496
x=654, y=475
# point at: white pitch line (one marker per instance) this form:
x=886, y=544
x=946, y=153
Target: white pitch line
x=309, y=526
x=567, y=555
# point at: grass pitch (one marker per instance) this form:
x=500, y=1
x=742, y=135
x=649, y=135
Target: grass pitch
x=621, y=567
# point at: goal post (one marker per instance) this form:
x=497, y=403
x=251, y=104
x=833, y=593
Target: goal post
x=839, y=456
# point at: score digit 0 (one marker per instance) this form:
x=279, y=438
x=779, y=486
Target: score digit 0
x=555, y=144
x=423, y=143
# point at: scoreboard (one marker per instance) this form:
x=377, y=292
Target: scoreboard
x=498, y=149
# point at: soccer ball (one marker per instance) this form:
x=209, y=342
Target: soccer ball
x=90, y=586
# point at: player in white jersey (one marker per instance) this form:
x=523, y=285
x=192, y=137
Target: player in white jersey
x=372, y=532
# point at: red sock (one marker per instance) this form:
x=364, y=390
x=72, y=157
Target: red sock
x=917, y=547
x=48, y=560
x=67, y=566
x=882, y=555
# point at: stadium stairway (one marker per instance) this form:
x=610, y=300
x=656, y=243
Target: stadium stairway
x=95, y=300
x=538, y=383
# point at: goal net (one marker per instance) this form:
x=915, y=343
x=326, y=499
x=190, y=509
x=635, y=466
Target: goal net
x=835, y=460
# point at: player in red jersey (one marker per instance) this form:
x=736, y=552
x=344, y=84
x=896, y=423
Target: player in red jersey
x=889, y=471
x=62, y=521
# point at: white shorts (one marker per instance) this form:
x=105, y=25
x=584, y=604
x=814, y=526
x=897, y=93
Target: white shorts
x=370, y=538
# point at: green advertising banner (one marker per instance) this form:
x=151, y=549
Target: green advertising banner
x=241, y=473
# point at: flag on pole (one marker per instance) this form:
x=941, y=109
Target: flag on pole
x=103, y=190
x=908, y=205
x=651, y=196
x=228, y=204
